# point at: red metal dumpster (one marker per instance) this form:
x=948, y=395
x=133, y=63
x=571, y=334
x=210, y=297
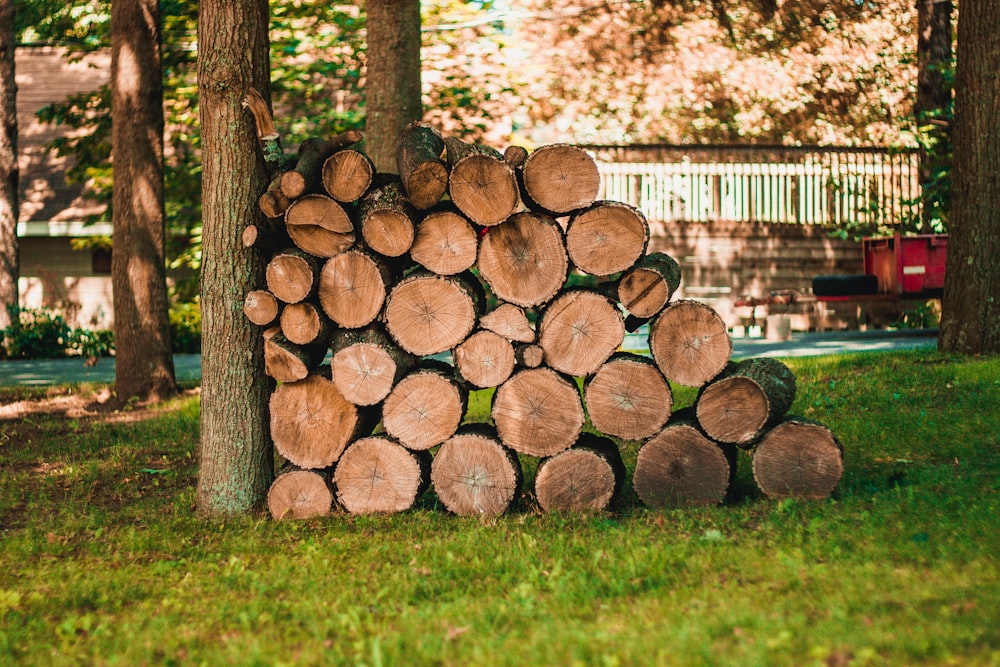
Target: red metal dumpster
x=907, y=265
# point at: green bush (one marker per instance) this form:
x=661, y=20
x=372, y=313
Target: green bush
x=185, y=326
x=35, y=333
x=92, y=344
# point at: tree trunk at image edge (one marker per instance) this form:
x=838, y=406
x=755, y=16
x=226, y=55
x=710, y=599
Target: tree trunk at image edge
x=934, y=59
x=144, y=365
x=970, y=322
x=393, y=79
x=236, y=453
x=8, y=166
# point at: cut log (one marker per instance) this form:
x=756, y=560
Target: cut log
x=445, y=243
x=308, y=171
x=319, y=225
x=515, y=156
x=690, y=343
x=426, y=407
x=427, y=313
x=291, y=275
x=386, y=218
x=524, y=260
x=303, y=323
x=798, y=458
x=538, y=412
x=347, y=175
x=606, y=238
x=745, y=399
x=579, y=331
x=628, y=397
x=377, y=475
x=681, y=467
x=273, y=203
x=261, y=307
x=646, y=289
x=529, y=355
x=560, y=178
x=481, y=184
x=585, y=478
x=475, y=475
x=268, y=235
x=484, y=359
x=299, y=494
x=287, y=362
x=366, y=364
x=312, y=422
x=352, y=287
x=510, y=322
x=418, y=159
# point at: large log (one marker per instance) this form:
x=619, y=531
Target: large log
x=690, y=343
x=646, y=289
x=418, y=160
x=798, y=458
x=484, y=359
x=480, y=183
x=445, y=243
x=745, y=399
x=475, y=475
x=606, y=238
x=509, y=321
x=538, y=412
x=347, y=175
x=628, y=397
x=387, y=218
x=377, y=475
x=287, y=362
x=303, y=323
x=299, y=494
x=579, y=331
x=319, y=225
x=427, y=313
x=560, y=178
x=367, y=364
x=291, y=275
x=524, y=260
x=425, y=407
x=352, y=287
x=261, y=307
x=585, y=477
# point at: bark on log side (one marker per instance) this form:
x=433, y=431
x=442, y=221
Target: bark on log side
x=287, y=362
x=299, y=494
x=647, y=288
x=291, y=275
x=484, y=359
x=445, y=243
x=427, y=313
x=268, y=235
x=387, y=218
x=303, y=323
x=319, y=225
x=585, y=478
x=538, y=412
x=524, y=260
x=509, y=321
x=261, y=307
x=745, y=399
x=579, y=331
x=273, y=203
x=267, y=136
x=798, y=458
x=367, y=364
x=347, y=175
x=560, y=178
x=606, y=238
x=690, y=343
x=628, y=397
x=481, y=184
x=352, y=287
x=418, y=160
x=425, y=407
x=529, y=355
x=475, y=475
x=377, y=475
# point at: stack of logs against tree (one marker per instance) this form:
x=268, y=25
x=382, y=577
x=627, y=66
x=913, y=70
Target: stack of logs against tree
x=389, y=298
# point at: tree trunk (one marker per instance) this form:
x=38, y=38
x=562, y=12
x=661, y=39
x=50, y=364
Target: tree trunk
x=510, y=322
x=484, y=359
x=934, y=60
x=367, y=364
x=607, y=238
x=628, y=397
x=236, y=454
x=538, y=412
x=393, y=76
x=377, y=475
x=559, y=178
x=427, y=314
x=970, y=320
x=352, y=288
x=419, y=163
x=745, y=399
x=261, y=307
x=426, y=407
x=144, y=364
x=646, y=289
x=690, y=343
x=300, y=494
x=475, y=475
x=387, y=219
x=580, y=330
x=585, y=478
x=347, y=175
x=304, y=323
x=292, y=275
x=798, y=458
x=9, y=173
x=524, y=260
x=445, y=243
x=480, y=183
x=319, y=225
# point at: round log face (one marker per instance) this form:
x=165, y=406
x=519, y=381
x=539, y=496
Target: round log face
x=290, y=278
x=537, y=412
x=485, y=359
x=347, y=175
x=319, y=225
x=643, y=292
x=445, y=243
x=576, y=480
x=427, y=184
x=580, y=330
x=484, y=189
x=690, y=343
x=628, y=399
x=388, y=232
x=524, y=260
x=798, y=460
x=607, y=238
x=733, y=409
x=363, y=373
x=351, y=289
x=311, y=422
x=377, y=476
x=429, y=314
x=474, y=475
x=301, y=323
x=423, y=410
x=681, y=468
x=561, y=178
x=299, y=494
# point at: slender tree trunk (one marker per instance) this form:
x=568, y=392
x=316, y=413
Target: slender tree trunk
x=8, y=166
x=393, y=78
x=144, y=366
x=933, y=93
x=236, y=453
x=970, y=322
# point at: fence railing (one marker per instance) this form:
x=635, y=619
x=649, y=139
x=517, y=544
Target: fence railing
x=869, y=187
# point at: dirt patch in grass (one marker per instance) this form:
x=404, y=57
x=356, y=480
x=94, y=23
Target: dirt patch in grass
x=98, y=403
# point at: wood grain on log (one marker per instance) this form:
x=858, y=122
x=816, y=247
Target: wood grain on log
x=628, y=397
x=366, y=364
x=690, y=343
x=606, y=238
x=529, y=355
x=427, y=313
x=352, y=287
x=475, y=475
x=586, y=477
x=347, y=175
x=303, y=323
x=418, y=159
x=425, y=407
x=319, y=225
x=524, y=260
x=484, y=359
x=291, y=275
x=287, y=362
x=561, y=178
x=798, y=458
x=745, y=399
x=299, y=494
x=261, y=307
x=445, y=243
x=538, y=412
x=309, y=168
x=509, y=321
x=481, y=184
x=387, y=218
x=579, y=331
x=647, y=288
x=377, y=475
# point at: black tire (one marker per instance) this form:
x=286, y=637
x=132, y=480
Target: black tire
x=845, y=285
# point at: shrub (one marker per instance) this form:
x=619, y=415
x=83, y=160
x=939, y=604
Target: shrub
x=35, y=333
x=185, y=326
x=92, y=343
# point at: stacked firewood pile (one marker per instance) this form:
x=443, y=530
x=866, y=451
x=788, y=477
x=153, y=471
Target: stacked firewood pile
x=455, y=276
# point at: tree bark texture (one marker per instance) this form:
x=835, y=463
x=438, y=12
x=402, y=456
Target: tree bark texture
x=9, y=172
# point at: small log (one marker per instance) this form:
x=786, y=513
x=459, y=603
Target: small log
x=798, y=458
x=481, y=184
x=287, y=362
x=510, y=322
x=308, y=171
x=515, y=156
x=587, y=477
x=445, y=243
x=745, y=399
x=366, y=364
x=427, y=313
x=291, y=275
x=529, y=355
x=269, y=234
x=538, y=412
x=606, y=238
x=386, y=218
x=312, y=422
x=628, y=397
x=579, y=331
x=377, y=475
x=560, y=178
x=347, y=174
x=299, y=494
x=273, y=203
x=425, y=407
x=267, y=135
x=646, y=289
x=484, y=359
x=261, y=307
x=352, y=287
x=418, y=160
x=690, y=343
x=319, y=225
x=303, y=323
x=475, y=475
x=524, y=260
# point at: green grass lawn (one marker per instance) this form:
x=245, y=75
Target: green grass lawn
x=103, y=559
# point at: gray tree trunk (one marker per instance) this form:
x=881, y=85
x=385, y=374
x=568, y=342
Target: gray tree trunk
x=9, y=269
